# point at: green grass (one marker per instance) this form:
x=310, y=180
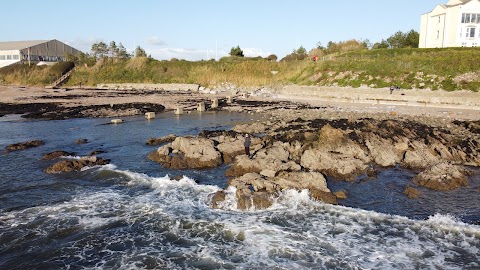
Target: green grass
x=408, y=68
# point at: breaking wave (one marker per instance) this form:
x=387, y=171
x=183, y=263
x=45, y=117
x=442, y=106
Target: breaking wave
x=140, y=222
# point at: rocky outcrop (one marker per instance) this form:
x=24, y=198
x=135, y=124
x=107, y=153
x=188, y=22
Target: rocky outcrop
x=254, y=190
x=161, y=140
x=24, y=145
x=334, y=154
x=270, y=160
x=75, y=165
x=442, y=177
x=57, y=154
x=185, y=152
x=292, y=152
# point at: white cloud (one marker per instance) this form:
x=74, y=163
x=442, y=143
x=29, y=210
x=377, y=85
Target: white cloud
x=200, y=54
x=156, y=41
x=254, y=52
x=185, y=54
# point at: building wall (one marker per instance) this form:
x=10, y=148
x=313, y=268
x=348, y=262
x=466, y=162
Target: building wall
x=46, y=52
x=443, y=26
x=9, y=55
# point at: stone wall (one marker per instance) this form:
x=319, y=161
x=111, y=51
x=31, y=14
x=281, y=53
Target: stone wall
x=149, y=86
x=424, y=98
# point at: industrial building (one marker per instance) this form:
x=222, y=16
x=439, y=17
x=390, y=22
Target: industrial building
x=34, y=52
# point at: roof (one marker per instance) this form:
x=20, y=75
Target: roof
x=19, y=45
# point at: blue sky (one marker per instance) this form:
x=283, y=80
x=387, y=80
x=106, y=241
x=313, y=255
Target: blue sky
x=205, y=29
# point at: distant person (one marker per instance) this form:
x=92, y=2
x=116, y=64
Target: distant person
x=391, y=89
x=247, y=145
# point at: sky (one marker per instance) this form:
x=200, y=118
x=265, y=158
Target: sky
x=208, y=29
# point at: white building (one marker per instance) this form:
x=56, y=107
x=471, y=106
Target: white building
x=455, y=24
x=34, y=51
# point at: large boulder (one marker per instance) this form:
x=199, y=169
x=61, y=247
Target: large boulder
x=231, y=147
x=187, y=153
x=383, y=151
x=24, y=145
x=75, y=165
x=198, y=152
x=336, y=155
x=442, y=177
x=254, y=190
x=420, y=156
x=274, y=158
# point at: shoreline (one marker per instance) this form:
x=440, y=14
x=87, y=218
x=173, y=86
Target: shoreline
x=34, y=100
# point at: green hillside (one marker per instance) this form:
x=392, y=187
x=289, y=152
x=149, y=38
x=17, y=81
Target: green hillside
x=448, y=69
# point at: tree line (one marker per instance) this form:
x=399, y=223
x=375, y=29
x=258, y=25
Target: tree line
x=398, y=40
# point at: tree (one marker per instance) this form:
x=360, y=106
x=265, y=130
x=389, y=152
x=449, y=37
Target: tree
x=272, y=57
x=397, y=40
x=412, y=39
x=320, y=46
x=122, y=52
x=139, y=52
x=113, y=49
x=236, y=51
x=99, y=49
x=381, y=45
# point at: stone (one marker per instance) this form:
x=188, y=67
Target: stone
x=116, y=121
x=56, y=154
x=187, y=153
x=214, y=103
x=217, y=198
x=161, y=140
x=24, y=145
x=179, y=111
x=442, y=177
x=201, y=106
x=335, y=155
x=411, y=192
x=75, y=165
x=81, y=141
x=268, y=173
x=150, y=115
x=341, y=194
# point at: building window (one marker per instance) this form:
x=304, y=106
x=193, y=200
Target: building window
x=471, y=18
x=438, y=34
x=2, y=57
x=439, y=20
x=16, y=57
x=9, y=57
x=471, y=31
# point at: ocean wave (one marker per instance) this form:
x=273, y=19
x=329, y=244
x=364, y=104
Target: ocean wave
x=169, y=223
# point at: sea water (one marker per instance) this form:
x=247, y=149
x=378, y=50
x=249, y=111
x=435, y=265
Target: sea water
x=131, y=215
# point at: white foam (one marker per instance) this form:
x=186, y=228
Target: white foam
x=175, y=219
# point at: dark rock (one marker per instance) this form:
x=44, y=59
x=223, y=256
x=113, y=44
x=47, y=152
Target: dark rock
x=161, y=140
x=217, y=198
x=75, y=165
x=24, y=145
x=411, y=192
x=96, y=152
x=341, y=194
x=81, y=141
x=442, y=177
x=57, y=154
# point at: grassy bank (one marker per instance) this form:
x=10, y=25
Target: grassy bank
x=448, y=69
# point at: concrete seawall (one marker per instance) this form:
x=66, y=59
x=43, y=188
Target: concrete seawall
x=423, y=98
x=149, y=86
